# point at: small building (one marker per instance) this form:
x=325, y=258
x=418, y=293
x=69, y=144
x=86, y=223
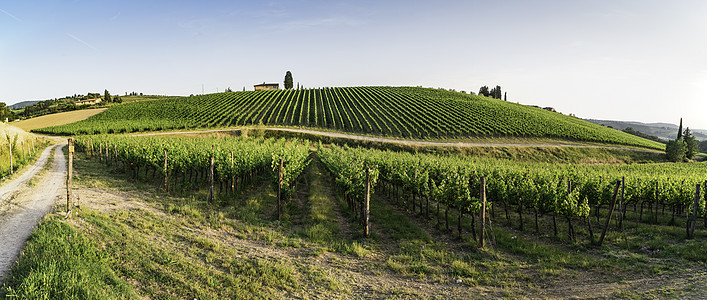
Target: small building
x=549, y=109
x=267, y=86
x=88, y=102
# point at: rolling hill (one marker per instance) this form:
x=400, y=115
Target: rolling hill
x=662, y=130
x=405, y=112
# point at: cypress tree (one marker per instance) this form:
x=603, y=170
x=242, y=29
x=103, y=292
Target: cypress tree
x=288, y=80
x=106, y=96
x=680, y=130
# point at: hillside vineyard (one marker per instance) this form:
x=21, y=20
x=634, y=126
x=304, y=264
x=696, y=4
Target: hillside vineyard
x=405, y=112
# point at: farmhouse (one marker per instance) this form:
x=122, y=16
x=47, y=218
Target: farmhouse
x=89, y=101
x=267, y=86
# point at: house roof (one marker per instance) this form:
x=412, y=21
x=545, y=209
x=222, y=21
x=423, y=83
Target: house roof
x=263, y=84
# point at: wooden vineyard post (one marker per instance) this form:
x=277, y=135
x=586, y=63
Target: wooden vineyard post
x=211, y=180
x=279, y=190
x=108, y=156
x=233, y=177
x=166, y=178
x=692, y=220
x=365, y=212
x=482, y=196
x=115, y=153
x=69, y=175
x=611, y=211
x=9, y=143
x=704, y=217
x=90, y=145
x=655, y=192
x=622, y=206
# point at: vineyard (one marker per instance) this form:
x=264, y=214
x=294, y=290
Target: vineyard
x=573, y=193
x=404, y=112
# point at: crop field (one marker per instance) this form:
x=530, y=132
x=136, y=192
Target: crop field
x=160, y=220
x=57, y=119
x=404, y=112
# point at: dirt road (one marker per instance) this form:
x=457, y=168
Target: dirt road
x=23, y=203
x=398, y=141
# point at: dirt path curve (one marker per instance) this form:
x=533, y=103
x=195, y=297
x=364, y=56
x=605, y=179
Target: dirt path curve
x=24, y=206
x=398, y=141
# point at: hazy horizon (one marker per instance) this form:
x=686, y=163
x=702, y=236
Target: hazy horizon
x=611, y=60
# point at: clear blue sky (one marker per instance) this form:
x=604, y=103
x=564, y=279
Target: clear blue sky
x=626, y=60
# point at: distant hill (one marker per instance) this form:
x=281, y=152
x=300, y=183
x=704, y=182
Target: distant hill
x=22, y=104
x=664, y=131
x=405, y=112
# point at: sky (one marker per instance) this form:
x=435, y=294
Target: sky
x=637, y=60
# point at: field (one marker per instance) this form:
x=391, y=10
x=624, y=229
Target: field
x=403, y=112
x=291, y=205
x=57, y=119
x=135, y=240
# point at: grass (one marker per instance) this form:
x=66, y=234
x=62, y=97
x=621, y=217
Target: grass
x=57, y=119
x=61, y=262
x=179, y=246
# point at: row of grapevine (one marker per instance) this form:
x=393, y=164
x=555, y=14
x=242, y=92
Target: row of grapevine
x=568, y=191
x=235, y=159
x=390, y=111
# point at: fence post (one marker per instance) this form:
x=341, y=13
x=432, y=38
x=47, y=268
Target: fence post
x=233, y=178
x=366, y=204
x=166, y=178
x=9, y=143
x=69, y=175
x=611, y=211
x=279, y=190
x=211, y=180
x=115, y=152
x=482, y=194
x=691, y=221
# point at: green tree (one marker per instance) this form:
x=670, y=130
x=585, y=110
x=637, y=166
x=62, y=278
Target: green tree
x=680, y=130
x=484, y=91
x=288, y=80
x=675, y=150
x=691, y=143
x=106, y=97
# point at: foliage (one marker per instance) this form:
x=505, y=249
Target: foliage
x=288, y=80
x=691, y=144
x=484, y=91
x=187, y=155
x=389, y=111
x=454, y=180
x=675, y=150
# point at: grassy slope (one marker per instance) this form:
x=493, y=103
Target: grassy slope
x=57, y=119
x=396, y=112
x=179, y=246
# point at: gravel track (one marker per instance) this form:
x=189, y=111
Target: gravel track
x=23, y=206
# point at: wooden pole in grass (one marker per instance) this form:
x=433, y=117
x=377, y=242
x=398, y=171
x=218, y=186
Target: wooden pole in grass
x=233, y=178
x=691, y=221
x=115, y=153
x=279, y=190
x=366, y=213
x=611, y=211
x=166, y=178
x=69, y=175
x=482, y=195
x=704, y=217
x=211, y=180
